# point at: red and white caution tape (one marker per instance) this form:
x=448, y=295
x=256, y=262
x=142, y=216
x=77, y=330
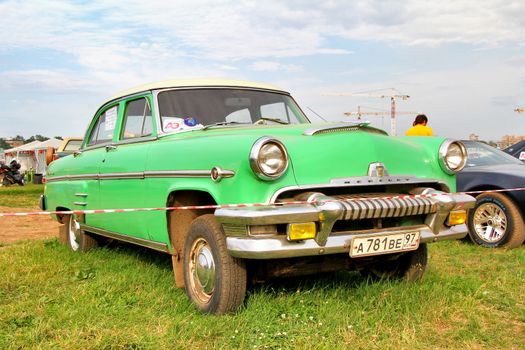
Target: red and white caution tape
x=245, y=205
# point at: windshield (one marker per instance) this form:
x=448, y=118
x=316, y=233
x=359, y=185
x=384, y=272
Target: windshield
x=186, y=109
x=482, y=154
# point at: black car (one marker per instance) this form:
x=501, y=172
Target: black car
x=517, y=150
x=497, y=218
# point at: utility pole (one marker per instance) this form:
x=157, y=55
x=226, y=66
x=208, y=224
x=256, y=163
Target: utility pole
x=393, y=95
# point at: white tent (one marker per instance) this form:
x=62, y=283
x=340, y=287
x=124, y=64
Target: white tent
x=31, y=155
x=24, y=154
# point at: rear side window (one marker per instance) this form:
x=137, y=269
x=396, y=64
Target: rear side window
x=138, y=121
x=103, y=130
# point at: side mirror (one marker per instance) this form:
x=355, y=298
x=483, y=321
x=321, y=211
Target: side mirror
x=50, y=155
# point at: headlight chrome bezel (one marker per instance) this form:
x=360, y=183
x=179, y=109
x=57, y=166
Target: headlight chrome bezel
x=443, y=154
x=255, y=153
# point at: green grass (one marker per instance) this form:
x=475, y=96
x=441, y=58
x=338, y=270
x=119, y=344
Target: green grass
x=20, y=196
x=123, y=297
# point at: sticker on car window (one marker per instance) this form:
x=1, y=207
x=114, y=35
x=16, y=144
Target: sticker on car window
x=111, y=118
x=178, y=124
x=522, y=155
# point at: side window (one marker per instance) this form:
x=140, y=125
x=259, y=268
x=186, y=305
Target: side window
x=103, y=130
x=137, y=119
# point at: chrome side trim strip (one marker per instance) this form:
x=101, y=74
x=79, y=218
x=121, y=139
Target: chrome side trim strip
x=140, y=175
x=360, y=181
x=121, y=176
x=161, y=247
x=178, y=173
x=80, y=203
x=81, y=195
x=72, y=177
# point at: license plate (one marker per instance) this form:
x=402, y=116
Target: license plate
x=384, y=244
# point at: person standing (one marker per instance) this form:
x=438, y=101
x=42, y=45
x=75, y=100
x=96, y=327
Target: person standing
x=419, y=127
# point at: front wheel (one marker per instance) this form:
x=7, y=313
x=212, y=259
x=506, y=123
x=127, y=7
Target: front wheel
x=496, y=222
x=409, y=266
x=214, y=280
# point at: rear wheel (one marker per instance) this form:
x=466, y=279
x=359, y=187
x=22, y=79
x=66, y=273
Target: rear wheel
x=78, y=240
x=214, y=280
x=408, y=266
x=496, y=222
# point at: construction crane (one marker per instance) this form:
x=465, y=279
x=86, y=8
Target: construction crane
x=378, y=113
x=519, y=110
x=393, y=95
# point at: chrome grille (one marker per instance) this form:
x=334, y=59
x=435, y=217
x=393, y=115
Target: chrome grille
x=358, y=207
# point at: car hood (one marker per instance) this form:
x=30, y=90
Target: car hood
x=500, y=170
x=336, y=151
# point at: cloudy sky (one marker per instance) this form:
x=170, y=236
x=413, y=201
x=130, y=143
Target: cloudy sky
x=462, y=62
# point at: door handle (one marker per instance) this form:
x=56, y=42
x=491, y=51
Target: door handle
x=110, y=148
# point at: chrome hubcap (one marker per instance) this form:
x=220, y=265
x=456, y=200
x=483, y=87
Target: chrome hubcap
x=490, y=222
x=74, y=233
x=202, y=270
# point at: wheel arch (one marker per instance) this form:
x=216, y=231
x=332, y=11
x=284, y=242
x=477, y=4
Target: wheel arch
x=179, y=222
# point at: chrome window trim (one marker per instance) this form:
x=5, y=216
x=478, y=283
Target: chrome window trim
x=116, y=102
x=141, y=175
x=161, y=247
x=403, y=181
x=136, y=140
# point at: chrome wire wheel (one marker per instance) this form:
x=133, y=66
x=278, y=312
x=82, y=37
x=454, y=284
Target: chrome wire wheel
x=490, y=222
x=74, y=233
x=202, y=270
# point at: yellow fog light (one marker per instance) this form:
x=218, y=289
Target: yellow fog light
x=297, y=232
x=457, y=217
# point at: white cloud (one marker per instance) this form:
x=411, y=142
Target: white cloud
x=272, y=66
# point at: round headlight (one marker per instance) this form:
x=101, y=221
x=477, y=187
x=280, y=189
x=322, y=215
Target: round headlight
x=452, y=156
x=268, y=158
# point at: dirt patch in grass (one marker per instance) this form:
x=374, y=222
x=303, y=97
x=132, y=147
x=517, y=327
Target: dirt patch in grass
x=17, y=228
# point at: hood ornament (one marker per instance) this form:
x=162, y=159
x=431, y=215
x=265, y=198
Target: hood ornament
x=377, y=169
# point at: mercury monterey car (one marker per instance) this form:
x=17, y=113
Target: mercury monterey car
x=327, y=196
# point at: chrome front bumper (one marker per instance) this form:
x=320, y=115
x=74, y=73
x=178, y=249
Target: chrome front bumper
x=279, y=247
x=325, y=211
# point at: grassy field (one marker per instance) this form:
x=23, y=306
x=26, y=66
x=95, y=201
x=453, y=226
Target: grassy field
x=123, y=297
x=21, y=196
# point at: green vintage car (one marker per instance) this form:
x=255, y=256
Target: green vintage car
x=329, y=196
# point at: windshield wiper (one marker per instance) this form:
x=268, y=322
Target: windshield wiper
x=221, y=124
x=272, y=120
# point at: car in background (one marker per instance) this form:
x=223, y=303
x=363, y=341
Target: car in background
x=517, y=150
x=68, y=146
x=497, y=218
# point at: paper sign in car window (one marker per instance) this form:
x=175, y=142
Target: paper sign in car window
x=111, y=118
x=522, y=155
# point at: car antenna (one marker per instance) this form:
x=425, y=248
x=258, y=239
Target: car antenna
x=316, y=114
